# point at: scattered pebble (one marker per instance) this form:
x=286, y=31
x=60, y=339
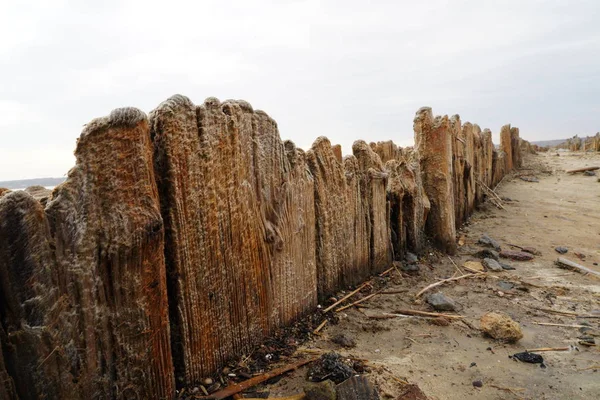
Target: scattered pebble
x=561, y=249
x=492, y=265
x=487, y=253
x=440, y=302
x=344, y=340
x=409, y=268
x=485, y=240
x=516, y=255
x=507, y=266
x=324, y=390
x=478, y=383
x=529, y=357
x=506, y=286
x=411, y=258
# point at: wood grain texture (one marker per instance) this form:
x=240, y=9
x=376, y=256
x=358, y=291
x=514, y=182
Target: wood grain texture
x=238, y=205
x=433, y=143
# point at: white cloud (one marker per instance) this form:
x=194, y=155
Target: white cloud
x=345, y=69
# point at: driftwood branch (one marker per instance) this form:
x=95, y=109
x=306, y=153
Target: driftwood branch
x=565, y=263
x=427, y=314
x=573, y=171
x=433, y=285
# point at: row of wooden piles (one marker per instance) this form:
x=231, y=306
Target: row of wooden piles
x=182, y=238
x=576, y=143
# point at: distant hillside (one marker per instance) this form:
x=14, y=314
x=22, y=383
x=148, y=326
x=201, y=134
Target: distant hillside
x=23, y=183
x=549, y=143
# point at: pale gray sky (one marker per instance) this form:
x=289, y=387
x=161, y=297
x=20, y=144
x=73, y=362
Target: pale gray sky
x=344, y=69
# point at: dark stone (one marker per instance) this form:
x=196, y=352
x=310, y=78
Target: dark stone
x=357, y=388
x=441, y=303
x=529, y=357
x=487, y=241
x=589, y=173
x=344, y=340
x=516, y=255
x=324, y=390
x=411, y=258
x=529, y=179
x=487, y=253
x=505, y=285
x=492, y=265
x=531, y=250
x=561, y=249
x=477, y=383
x=506, y=266
x=330, y=366
x=409, y=268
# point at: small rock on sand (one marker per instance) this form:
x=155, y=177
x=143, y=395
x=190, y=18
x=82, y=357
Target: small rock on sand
x=492, y=265
x=487, y=253
x=344, y=340
x=440, y=302
x=561, y=249
x=356, y=388
x=410, y=258
x=474, y=265
x=500, y=326
x=506, y=286
x=516, y=255
x=320, y=391
x=487, y=241
x=506, y=266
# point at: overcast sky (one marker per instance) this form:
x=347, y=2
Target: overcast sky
x=344, y=69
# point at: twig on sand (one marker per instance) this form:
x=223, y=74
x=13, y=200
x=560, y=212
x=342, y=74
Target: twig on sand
x=455, y=266
x=492, y=195
x=240, y=387
x=316, y=331
x=563, y=325
x=358, y=301
x=548, y=349
x=566, y=313
x=596, y=366
x=427, y=314
x=439, y=283
x=299, y=396
x=358, y=289
x=387, y=271
x=394, y=291
x=582, y=170
x=508, y=389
